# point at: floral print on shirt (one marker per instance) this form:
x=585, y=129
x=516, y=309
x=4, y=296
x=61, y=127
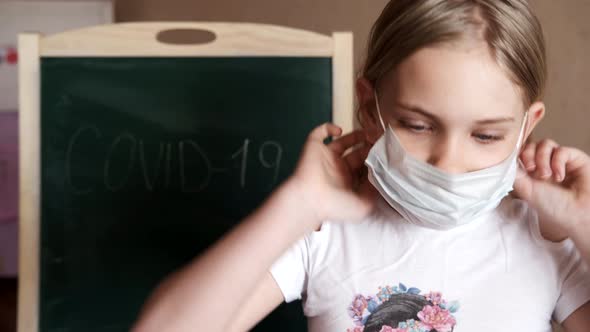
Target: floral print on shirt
x=402, y=309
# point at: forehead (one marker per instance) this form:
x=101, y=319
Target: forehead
x=455, y=82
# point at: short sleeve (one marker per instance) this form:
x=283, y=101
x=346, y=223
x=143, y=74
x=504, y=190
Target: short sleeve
x=290, y=270
x=575, y=286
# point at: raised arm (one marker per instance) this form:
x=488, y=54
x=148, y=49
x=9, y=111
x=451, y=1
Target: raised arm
x=208, y=294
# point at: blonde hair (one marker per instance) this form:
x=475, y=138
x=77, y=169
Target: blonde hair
x=509, y=28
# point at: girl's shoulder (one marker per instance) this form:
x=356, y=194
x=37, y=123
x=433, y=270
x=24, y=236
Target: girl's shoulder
x=517, y=212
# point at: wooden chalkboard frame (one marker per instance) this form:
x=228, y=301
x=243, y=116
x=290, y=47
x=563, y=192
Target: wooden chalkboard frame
x=232, y=39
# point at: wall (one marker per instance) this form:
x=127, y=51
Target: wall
x=567, y=32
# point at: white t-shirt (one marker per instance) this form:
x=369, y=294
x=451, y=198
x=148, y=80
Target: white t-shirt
x=496, y=273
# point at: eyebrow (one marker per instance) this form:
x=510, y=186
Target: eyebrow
x=427, y=114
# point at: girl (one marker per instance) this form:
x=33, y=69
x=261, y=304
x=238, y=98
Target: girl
x=424, y=238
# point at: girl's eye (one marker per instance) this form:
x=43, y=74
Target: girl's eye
x=487, y=139
x=416, y=127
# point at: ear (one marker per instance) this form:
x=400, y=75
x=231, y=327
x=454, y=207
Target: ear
x=367, y=112
x=536, y=112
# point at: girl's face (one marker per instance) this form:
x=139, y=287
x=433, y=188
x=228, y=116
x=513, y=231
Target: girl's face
x=450, y=106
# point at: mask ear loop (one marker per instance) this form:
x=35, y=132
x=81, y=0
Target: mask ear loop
x=379, y=109
x=522, y=130
x=520, y=142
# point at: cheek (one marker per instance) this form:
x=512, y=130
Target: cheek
x=480, y=156
x=470, y=154
x=415, y=146
x=484, y=158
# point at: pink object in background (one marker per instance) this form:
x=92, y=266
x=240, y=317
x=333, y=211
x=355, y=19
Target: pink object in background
x=8, y=55
x=8, y=193
x=11, y=56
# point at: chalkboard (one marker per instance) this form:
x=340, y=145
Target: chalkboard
x=146, y=161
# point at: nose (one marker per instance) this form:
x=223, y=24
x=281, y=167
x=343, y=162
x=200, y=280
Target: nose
x=447, y=155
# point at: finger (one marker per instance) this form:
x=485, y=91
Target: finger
x=356, y=159
x=320, y=133
x=559, y=160
x=543, y=159
x=528, y=157
x=576, y=163
x=579, y=164
x=576, y=159
x=523, y=185
x=347, y=141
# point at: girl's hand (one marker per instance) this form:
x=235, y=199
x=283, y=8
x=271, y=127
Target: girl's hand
x=329, y=179
x=556, y=183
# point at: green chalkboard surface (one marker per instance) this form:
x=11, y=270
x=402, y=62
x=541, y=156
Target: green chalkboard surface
x=147, y=161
